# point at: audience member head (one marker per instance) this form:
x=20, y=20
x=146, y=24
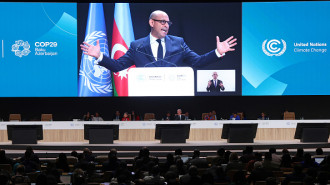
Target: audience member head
x=62, y=158
x=258, y=156
x=155, y=170
x=300, y=152
x=285, y=151
x=78, y=177
x=179, y=111
x=28, y=155
x=319, y=151
x=2, y=154
x=308, y=158
x=29, y=148
x=97, y=114
x=196, y=153
x=286, y=160
x=233, y=157
x=221, y=152
x=86, y=151
x=170, y=158
x=117, y=113
x=125, y=115
x=272, y=150
x=178, y=151
x=74, y=153
x=193, y=171
x=249, y=149
x=113, y=152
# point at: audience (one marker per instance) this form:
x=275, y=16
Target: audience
x=227, y=167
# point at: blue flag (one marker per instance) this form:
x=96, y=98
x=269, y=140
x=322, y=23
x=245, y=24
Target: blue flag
x=95, y=80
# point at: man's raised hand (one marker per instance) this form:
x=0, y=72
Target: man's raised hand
x=91, y=50
x=225, y=46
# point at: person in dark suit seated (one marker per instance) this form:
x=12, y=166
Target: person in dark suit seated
x=197, y=161
x=112, y=163
x=179, y=115
x=117, y=116
x=263, y=116
x=259, y=173
x=168, y=117
x=159, y=49
x=215, y=85
x=192, y=177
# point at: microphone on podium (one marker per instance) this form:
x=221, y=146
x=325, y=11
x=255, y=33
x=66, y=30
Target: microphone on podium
x=158, y=59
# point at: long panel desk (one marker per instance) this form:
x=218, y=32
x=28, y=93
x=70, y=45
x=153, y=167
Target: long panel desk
x=73, y=131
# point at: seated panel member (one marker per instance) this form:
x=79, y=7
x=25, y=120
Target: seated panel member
x=168, y=117
x=179, y=115
x=159, y=49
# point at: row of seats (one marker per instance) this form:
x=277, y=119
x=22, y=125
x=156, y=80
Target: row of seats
x=147, y=116
x=17, y=117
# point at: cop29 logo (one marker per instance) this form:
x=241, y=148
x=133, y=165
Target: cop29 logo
x=274, y=47
x=21, y=48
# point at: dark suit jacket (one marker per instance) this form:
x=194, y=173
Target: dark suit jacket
x=177, y=117
x=177, y=54
x=212, y=88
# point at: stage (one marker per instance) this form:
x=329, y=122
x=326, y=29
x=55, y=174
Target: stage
x=66, y=136
x=128, y=150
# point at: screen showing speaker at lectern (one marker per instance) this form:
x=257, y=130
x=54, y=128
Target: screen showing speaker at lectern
x=281, y=49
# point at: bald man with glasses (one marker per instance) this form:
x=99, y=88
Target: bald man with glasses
x=215, y=85
x=159, y=49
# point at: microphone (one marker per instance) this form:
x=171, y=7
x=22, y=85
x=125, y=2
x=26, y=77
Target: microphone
x=159, y=59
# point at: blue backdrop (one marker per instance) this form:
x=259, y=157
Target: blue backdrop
x=38, y=44
x=289, y=65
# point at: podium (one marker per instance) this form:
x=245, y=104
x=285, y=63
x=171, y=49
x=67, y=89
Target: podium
x=312, y=132
x=172, y=133
x=239, y=133
x=24, y=134
x=161, y=81
x=101, y=133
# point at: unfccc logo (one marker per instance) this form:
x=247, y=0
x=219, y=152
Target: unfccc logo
x=16, y=48
x=274, y=47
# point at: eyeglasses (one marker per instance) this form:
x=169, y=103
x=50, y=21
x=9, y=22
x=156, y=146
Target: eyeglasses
x=163, y=22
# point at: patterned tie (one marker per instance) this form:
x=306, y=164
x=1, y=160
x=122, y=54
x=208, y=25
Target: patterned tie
x=160, y=50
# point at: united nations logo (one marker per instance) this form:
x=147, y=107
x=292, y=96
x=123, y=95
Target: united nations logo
x=97, y=78
x=274, y=47
x=17, y=48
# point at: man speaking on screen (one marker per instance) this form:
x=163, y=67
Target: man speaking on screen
x=159, y=49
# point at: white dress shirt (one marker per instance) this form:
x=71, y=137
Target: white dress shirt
x=154, y=46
